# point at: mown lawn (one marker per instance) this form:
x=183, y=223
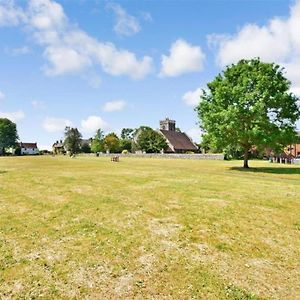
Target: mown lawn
x=148, y=229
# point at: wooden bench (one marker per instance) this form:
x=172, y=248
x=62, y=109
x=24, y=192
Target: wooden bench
x=115, y=158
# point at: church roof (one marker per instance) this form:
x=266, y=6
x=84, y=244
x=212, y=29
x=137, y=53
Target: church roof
x=179, y=140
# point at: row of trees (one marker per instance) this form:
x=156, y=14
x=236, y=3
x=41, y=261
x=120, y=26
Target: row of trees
x=144, y=139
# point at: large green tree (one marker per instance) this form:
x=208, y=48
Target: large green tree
x=112, y=143
x=150, y=141
x=72, y=140
x=97, y=144
x=249, y=106
x=8, y=134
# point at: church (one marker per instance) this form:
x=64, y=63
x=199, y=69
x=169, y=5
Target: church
x=178, y=142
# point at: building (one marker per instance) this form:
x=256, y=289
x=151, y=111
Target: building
x=58, y=147
x=294, y=149
x=29, y=148
x=178, y=142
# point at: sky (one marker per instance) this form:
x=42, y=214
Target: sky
x=112, y=64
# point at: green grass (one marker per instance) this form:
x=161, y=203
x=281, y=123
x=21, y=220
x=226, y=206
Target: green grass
x=154, y=229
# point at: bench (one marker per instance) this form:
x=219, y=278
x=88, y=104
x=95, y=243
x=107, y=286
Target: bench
x=115, y=158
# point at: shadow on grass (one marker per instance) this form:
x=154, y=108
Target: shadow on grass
x=278, y=170
x=3, y=172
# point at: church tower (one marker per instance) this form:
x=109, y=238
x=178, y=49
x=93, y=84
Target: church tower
x=167, y=124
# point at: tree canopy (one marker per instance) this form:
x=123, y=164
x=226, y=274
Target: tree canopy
x=112, y=143
x=72, y=140
x=8, y=134
x=150, y=141
x=97, y=144
x=249, y=105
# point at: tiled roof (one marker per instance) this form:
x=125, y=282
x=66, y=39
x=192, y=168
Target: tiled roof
x=28, y=145
x=179, y=140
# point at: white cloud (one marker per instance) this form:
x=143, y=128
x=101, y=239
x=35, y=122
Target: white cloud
x=125, y=24
x=93, y=123
x=114, y=105
x=183, y=58
x=13, y=116
x=192, y=98
x=68, y=49
x=2, y=96
x=10, y=14
x=56, y=124
x=277, y=41
x=195, y=133
x=65, y=60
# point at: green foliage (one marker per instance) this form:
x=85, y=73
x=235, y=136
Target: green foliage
x=112, y=143
x=97, y=146
x=72, y=140
x=8, y=134
x=150, y=141
x=126, y=145
x=18, y=151
x=85, y=148
x=125, y=151
x=99, y=134
x=127, y=133
x=249, y=105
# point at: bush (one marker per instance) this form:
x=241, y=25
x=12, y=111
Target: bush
x=125, y=151
x=18, y=151
x=189, y=152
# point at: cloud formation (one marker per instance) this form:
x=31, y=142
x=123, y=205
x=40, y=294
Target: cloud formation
x=126, y=24
x=67, y=48
x=14, y=116
x=192, y=98
x=183, y=58
x=277, y=41
x=114, y=105
x=53, y=125
x=92, y=124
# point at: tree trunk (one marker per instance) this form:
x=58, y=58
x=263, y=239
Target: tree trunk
x=246, y=156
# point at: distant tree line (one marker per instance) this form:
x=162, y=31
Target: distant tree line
x=143, y=139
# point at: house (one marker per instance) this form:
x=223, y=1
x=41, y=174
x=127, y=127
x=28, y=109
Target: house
x=294, y=149
x=178, y=142
x=29, y=148
x=58, y=147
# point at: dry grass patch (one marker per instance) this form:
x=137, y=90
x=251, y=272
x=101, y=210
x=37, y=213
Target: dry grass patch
x=148, y=229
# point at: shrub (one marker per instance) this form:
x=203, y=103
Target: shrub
x=125, y=151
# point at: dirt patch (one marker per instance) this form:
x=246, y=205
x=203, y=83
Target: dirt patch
x=124, y=285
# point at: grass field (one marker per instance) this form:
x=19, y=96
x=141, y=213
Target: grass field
x=148, y=229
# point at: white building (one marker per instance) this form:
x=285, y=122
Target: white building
x=29, y=148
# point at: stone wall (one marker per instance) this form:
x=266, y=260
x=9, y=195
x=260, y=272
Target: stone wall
x=165, y=156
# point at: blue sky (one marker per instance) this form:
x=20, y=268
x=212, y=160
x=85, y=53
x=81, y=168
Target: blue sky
x=115, y=64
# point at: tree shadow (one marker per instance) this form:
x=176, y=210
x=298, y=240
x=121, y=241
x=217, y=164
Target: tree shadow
x=278, y=170
x=3, y=172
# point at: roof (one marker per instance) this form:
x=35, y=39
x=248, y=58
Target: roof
x=179, y=140
x=58, y=145
x=28, y=145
